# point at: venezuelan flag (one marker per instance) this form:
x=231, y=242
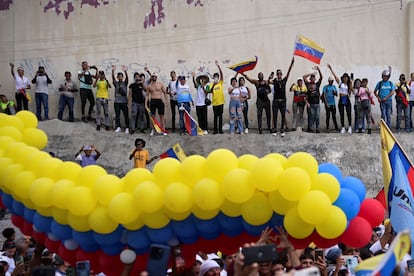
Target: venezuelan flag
x=191, y=125
x=244, y=66
x=155, y=123
x=174, y=152
x=308, y=49
x=384, y=264
x=398, y=174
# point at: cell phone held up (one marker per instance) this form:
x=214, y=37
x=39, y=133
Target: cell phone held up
x=410, y=265
x=259, y=254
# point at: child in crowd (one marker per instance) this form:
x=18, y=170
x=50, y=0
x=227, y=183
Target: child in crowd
x=141, y=155
x=88, y=158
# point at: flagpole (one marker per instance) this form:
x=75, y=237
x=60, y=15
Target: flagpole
x=294, y=45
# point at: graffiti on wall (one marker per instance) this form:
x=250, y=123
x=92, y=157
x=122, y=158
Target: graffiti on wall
x=67, y=6
x=5, y=4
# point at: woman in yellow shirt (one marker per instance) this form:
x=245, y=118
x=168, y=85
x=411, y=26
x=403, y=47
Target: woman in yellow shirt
x=102, y=99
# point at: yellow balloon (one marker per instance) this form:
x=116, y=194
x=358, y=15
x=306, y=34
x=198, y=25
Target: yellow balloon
x=68, y=170
x=41, y=192
x=12, y=132
x=238, y=186
x=295, y=226
x=328, y=184
x=193, y=169
x=155, y=220
x=220, y=162
x=44, y=211
x=61, y=191
x=265, y=174
x=101, y=222
x=12, y=121
x=176, y=216
x=79, y=223
x=28, y=118
x=294, y=183
x=136, y=176
x=304, y=161
x=207, y=194
x=148, y=197
x=34, y=158
x=231, y=209
x=81, y=201
x=278, y=157
x=5, y=141
x=35, y=137
x=60, y=215
x=47, y=167
x=8, y=174
x=204, y=214
x=314, y=207
x=247, y=161
x=5, y=162
x=22, y=184
x=334, y=224
x=89, y=174
x=24, y=153
x=135, y=225
x=122, y=208
x=166, y=171
x=279, y=204
x=178, y=197
x=257, y=210
x=106, y=187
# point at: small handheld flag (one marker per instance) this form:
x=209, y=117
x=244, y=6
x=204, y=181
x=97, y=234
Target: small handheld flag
x=308, y=49
x=174, y=152
x=244, y=66
x=155, y=123
x=191, y=125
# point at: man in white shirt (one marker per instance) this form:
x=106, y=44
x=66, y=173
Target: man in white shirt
x=42, y=80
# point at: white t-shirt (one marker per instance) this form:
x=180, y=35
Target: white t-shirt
x=411, y=95
x=201, y=97
x=235, y=93
x=172, y=89
x=21, y=82
x=343, y=89
x=41, y=85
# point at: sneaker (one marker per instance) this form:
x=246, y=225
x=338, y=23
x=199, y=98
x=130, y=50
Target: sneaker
x=318, y=131
x=350, y=130
x=282, y=134
x=165, y=133
x=343, y=130
x=118, y=129
x=152, y=133
x=298, y=129
x=98, y=127
x=142, y=131
x=84, y=119
x=205, y=132
x=127, y=130
x=363, y=130
x=274, y=133
x=246, y=131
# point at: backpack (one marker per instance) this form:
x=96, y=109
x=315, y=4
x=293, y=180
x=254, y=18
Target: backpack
x=87, y=79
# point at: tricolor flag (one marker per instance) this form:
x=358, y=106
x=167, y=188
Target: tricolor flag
x=398, y=174
x=155, y=123
x=308, y=49
x=174, y=152
x=384, y=264
x=244, y=66
x=191, y=125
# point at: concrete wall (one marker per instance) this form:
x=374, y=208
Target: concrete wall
x=362, y=37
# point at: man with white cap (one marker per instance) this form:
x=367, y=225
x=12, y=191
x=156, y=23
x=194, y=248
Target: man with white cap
x=210, y=268
x=329, y=92
x=87, y=158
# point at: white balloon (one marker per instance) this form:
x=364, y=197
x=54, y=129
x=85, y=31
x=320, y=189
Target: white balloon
x=128, y=256
x=70, y=244
x=52, y=237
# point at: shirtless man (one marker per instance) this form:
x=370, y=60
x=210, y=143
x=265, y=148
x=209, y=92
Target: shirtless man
x=155, y=91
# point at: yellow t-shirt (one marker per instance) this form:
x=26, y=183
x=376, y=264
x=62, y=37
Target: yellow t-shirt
x=218, y=95
x=102, y=89
x=140, y=158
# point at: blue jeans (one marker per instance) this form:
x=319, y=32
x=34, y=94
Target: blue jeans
x=236, y=114
x=386, y=109
x=402, y=113
x=66, y=101
x=188, y=108
x=314, y=116
x=42, y=99
x=410, y=110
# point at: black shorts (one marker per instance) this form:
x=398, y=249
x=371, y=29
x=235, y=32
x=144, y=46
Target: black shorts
x=157, y=104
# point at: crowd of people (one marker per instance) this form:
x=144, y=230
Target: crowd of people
x=142, y=95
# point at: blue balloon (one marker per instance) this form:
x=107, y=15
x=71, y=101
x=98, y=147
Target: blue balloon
x=113, y=249
x=276, y=220
x=331, y=169
x=42, y=223
x=231, y=226
x=108, y=239
x=8, y=201
x=18, y=208
x=185, y=230
x=29, y=214
x=61, y=231
x=138, y=240
x=349, y=202
x=85, y=240
x=254, y=230
x=162, y=235
x=208, y=229
x=356, y=185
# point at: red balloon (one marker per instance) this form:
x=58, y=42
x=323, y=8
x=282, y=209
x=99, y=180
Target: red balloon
x=373, y=211
x=2, y=206
x=321, y=242
x=358, y=233
x=51, y=245
x=27, y=228
x=18, y=221
x=110, y=265
x=300, y=243
x=67, y=255
x=39, y=236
